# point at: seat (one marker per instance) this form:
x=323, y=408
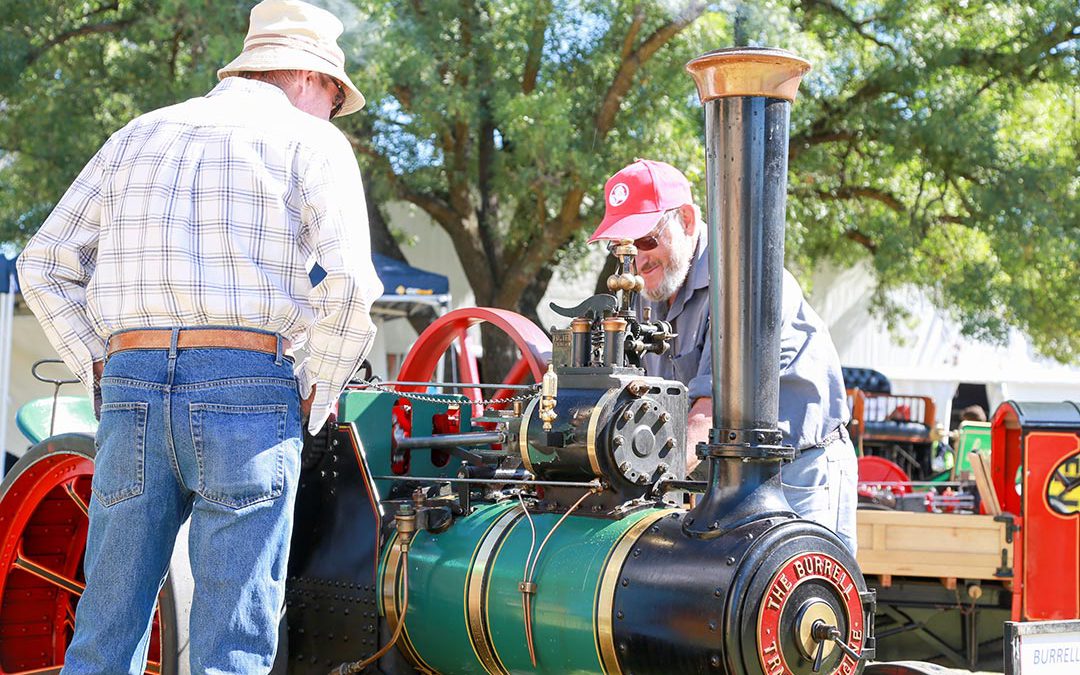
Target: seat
x=73, y=414
x=866, y=379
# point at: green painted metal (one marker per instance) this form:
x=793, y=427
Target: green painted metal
x=567, y=575
x=438, y=569
x=74, y=414
x=371, y=411
x=973, y=436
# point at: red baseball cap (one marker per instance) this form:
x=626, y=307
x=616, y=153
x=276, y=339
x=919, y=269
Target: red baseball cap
x=636, y=198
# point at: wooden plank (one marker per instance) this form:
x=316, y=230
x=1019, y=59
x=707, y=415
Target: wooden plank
x=944, y=546
x=980, y=468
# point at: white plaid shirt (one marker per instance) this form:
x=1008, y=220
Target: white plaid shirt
x=207, y=213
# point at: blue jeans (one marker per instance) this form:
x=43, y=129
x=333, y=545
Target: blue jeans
x=213, y=434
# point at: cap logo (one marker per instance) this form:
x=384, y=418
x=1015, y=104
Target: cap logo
x=619, y=194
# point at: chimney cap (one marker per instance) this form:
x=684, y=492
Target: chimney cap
x=748, y=71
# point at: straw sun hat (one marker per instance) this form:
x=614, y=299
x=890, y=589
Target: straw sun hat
x=293, y=35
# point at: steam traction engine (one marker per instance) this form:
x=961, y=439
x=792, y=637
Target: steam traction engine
x=546, y=531
x=551, y=536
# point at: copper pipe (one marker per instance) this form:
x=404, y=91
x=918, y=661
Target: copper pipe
x=526, y=599
x=526, y=603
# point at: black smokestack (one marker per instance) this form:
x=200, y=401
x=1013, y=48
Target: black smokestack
x=747, y=95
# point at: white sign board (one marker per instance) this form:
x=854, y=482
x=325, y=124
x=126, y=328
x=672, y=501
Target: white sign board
x=1044, y=647
x=1050, y=654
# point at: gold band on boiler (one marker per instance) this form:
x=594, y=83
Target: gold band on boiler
x=594, y=423
x=475, y=583
x=390, y=596
x=603, y=620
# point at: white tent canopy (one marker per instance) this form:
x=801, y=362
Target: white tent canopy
x=931, y=357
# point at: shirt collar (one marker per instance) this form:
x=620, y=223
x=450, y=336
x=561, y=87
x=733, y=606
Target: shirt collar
x=243, y=85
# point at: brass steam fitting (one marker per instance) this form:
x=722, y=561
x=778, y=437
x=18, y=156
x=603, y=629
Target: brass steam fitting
x=580, y=325
x=549, y=390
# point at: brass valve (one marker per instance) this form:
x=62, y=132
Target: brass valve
x=626, y=282
x=549, y=390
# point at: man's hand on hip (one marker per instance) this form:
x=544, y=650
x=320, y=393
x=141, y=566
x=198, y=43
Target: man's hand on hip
x=305, y=406
x=99, y=368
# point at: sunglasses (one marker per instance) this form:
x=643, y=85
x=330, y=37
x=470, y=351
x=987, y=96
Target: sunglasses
x=652, y=240
x=339, y=98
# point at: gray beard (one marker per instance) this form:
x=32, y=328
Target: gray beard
x=682, y=252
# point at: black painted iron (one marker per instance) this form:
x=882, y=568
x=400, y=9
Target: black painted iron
x=746, y=180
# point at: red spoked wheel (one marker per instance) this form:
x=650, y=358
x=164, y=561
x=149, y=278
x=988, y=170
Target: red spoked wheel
x=44, y=501
x=423, y=359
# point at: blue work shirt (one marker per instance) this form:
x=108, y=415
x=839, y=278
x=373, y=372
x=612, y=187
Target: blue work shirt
x=813, y=403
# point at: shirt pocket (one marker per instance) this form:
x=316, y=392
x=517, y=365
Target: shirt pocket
x=685, y=366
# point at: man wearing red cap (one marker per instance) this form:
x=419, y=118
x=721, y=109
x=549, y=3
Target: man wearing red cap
x=650, y=202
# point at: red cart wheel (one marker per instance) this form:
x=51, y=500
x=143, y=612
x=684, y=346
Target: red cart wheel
x=43, y=523
x=423, y=359
x=878, y=473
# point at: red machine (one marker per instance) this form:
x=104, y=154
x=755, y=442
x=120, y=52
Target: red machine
x=1040, y=444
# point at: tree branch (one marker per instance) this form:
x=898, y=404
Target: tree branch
x=632, y=33
x=858, y=25
x=460, y=227
x=534, y=50
x=436, y=207
x=860, y=238
x=863, y=192
x=814, y=137
x=88, y=29
x=632, y=63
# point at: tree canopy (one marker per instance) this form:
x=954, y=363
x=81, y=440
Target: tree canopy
x=939, y=140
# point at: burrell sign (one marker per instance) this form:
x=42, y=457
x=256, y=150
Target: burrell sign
x=1042, y=647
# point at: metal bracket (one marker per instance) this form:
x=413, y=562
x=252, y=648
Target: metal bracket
x=1004, y=570
x=1010, y=525
x=1011, y=528
x=746, y=451
x=869, y=603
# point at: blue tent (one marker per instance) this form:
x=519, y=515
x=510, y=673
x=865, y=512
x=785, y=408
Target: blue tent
x=7, y=276
x=405, y=288
x=399, y=279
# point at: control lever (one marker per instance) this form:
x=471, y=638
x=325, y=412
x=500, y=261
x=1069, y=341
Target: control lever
x=822, y=633
x=595, y=307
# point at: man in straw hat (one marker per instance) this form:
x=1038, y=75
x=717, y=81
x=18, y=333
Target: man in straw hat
x=651, y=203
x=172, y=278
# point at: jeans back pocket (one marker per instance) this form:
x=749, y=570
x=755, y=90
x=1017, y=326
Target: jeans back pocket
x=119, y=462
x=240, y=451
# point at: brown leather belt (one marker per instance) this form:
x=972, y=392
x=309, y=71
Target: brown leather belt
x=201, y=338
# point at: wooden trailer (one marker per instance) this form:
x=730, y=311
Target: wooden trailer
x=947, y=582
